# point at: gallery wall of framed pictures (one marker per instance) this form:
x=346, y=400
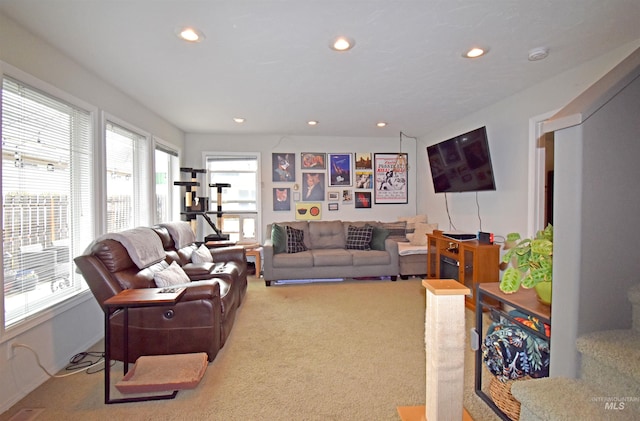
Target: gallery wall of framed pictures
x=333, y=181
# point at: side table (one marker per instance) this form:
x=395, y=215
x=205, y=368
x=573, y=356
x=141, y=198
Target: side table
x=490, y=298
x=256, y=253
x=133, y=298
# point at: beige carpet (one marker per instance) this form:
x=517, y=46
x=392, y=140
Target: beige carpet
x=324, y=351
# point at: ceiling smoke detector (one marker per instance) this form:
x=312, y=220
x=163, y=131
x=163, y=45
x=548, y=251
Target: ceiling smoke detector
x=539, y=53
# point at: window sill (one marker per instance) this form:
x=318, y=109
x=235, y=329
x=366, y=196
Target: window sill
x=45, y=315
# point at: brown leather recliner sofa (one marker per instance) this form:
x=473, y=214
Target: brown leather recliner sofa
x=202, y=319
x=229, y=268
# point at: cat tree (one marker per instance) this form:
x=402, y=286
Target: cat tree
x=194, y=205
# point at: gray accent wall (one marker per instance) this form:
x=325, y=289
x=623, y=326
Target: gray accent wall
x=596, y=208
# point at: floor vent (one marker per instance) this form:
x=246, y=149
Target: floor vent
x=27, y=414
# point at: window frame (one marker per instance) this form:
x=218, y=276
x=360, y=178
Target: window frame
x=203, y=227
x=174, y=191
x=141, y=217
x=83, y=294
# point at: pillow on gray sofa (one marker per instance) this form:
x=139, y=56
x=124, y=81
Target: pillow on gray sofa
x=397, y=230
x=378, y=236
x=295, y=240
x=359, y=238
x=279, y=238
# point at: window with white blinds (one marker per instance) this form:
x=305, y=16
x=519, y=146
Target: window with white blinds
x=47, y=203
x=167, y=167
x=128, y=178
x=238, y=202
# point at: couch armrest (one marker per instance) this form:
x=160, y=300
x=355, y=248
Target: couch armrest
x=391, y=246
x=229, y=254
x=267, y=259
x=201, y=290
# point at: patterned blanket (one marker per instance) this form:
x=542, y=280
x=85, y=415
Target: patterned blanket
x=511, y=352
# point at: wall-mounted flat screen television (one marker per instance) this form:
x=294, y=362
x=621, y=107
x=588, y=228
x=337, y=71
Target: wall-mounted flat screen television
x=462, y=163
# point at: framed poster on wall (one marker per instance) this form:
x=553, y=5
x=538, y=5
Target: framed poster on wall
x=283, y=166
x=281, y=199
x=340, y=169
x=313, y=161
x=390, y=174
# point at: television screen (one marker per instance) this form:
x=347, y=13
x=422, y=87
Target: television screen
x=462, y=164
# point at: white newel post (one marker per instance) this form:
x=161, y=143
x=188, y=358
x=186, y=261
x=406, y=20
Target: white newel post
x=444, y=341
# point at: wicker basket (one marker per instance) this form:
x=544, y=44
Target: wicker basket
x=500, y=393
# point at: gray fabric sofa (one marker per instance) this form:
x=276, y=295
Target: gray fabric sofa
x=327, y=255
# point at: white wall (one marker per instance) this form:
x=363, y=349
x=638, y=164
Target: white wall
x=266, y=145
x=74, y=329
x=506, y=209
x=34, y=56
x=591, y=265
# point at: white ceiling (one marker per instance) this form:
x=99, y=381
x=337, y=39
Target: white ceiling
x=269, y=61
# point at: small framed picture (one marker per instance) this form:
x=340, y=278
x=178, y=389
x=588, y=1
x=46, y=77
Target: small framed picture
x=334, y=196
x=364, y=161
x=347, y=196
x=308, y=211
x=333, y=206
x=364, y=180
x=363, y=199
x=281, y=200
x=313, y=161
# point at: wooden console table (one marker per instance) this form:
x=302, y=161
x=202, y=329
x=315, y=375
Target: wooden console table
x=468, y=262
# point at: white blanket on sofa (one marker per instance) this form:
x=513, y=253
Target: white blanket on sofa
x=181, y=233
x=142, y=243
x=405, y=249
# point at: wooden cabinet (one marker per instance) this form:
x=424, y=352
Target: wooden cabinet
x=469, y=262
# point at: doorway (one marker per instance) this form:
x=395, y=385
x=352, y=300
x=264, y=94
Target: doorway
x=541, y=174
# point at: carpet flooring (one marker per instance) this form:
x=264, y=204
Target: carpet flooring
x=350, y=350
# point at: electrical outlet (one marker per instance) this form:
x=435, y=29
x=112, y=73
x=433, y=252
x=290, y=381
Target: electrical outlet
x=11, y=350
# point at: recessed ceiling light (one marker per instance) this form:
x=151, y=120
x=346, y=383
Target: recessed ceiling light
x=475, y=52
x=381, y=124
x=342, y=44
x=190, y=34
x=238, y=119
x=312, y=123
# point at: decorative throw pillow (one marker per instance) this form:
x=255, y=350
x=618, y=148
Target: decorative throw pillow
x=397, y=230
x=201, y=255
x=359, y=238
x=420, y=234
x=378, y=237
x=278, y=238
x=295, y=240
x=173, y=275
x=411, y=223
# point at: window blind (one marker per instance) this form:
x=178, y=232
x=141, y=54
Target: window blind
x=128, y=178
x=167, y=167
x=47, y=203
